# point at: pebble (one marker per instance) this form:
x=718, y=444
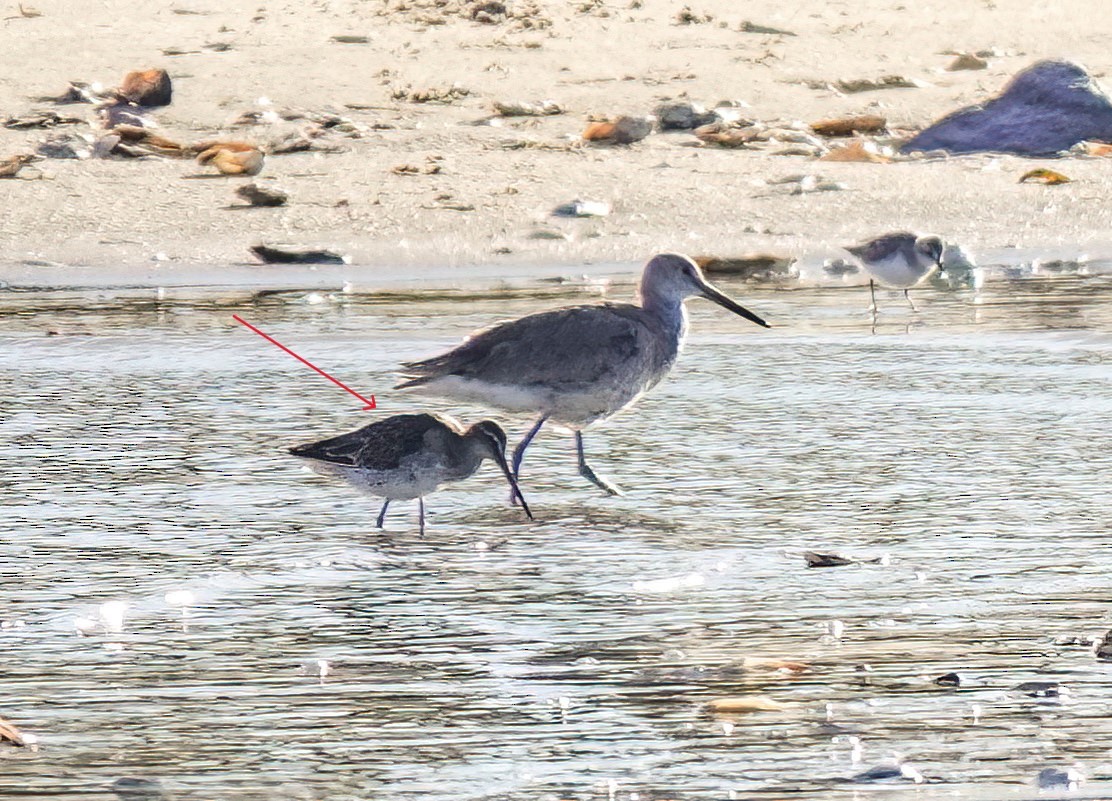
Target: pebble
x=1058, y=779
x=276, y=255
x=147, y=88
x=683, y=116
x=744, y=704
x=261, y=195
x=582, y=208
x=890, y=773
x=1102, y=648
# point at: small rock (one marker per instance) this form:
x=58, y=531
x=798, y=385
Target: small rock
x=523, y=108
x=147, y=88
x=967, y=61
x=749, y=27
x=848, y=126
x=582, y=208
x=66, y=146
x=758, y=267
x=744, y=704
x=131, y=788
x=861, y=150
x=350, y=39
x=948, y=680
x=1058, y=779
x=723, y=135
x=869, y=85
x=825, y=560
x=262, y=196
x=277, y=255
x=624, y=130
x=1042, y=689
x=890, y=773
x=1102, y=648
x=683, y=116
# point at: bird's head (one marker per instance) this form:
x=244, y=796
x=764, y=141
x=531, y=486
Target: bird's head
x=670, y=277
x=490, y=440
x=931, y=247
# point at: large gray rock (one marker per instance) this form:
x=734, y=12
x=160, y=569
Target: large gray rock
x=1049, y=107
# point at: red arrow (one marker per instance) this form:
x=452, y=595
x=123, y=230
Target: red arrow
x=370, y=403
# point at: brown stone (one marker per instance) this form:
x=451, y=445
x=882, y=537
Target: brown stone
x=147, y=88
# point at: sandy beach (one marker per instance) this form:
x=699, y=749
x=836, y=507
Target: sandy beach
x=482, y=192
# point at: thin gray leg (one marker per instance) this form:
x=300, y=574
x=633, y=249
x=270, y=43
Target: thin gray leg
x=519, y=451
x=421, y=515
x=519, y=454
x=907, y=297
x=382, y=516
x=872, y=296
x=589, y=474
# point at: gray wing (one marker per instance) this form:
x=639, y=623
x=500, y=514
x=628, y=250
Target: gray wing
x=883, y=247
x=576, y=346
x=378, y=446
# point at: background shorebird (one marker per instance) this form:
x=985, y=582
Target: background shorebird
x=901, y=260
x=408, y=456
x=579, y=364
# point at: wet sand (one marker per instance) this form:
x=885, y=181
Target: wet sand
x=489, y=201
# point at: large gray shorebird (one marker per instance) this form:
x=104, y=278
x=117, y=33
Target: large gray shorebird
x=901, y=260
x=576, y=365
x=408, y=456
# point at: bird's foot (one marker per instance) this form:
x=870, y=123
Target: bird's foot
x=600, y=482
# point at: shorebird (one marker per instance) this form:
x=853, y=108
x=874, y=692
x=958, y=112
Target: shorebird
x=901, y=260
x=408, y=456
x=576, y=365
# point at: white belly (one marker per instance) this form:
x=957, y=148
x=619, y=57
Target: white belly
x=576, y=409
x=896, y=272
x=395, y=485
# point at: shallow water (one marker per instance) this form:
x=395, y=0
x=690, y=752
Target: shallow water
x=142, y=448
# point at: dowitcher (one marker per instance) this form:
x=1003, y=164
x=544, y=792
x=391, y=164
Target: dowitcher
x=408, y=456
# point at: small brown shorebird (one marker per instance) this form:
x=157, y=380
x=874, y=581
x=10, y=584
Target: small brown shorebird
x=901, y=260
x=577, y=365
x=408, y=456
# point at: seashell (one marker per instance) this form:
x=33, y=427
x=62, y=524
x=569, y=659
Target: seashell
x=1044, y=176
x=744, y=704
x=859, y=150
x=231, y=158
x=848, y=126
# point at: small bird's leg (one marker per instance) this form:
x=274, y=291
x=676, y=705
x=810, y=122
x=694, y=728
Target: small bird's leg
x=872, y=296
x=519, y=451
x=421, y=515
x=589, y=474
x=382, y=515
x=907, y=297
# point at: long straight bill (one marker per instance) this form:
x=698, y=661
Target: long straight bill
x=513, y=483
x=726, y=302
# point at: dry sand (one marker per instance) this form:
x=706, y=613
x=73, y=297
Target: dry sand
x=593, y=58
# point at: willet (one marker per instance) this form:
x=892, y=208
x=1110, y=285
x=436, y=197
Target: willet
x=576, y=365
x=408, y=456
x=901, y=260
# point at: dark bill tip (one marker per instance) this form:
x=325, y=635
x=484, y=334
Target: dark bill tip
x=728, y=303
